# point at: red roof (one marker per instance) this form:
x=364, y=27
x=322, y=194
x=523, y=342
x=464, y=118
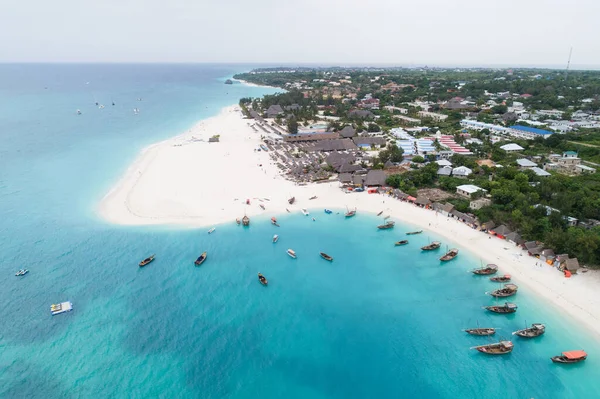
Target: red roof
x=411, y=198
x=572, y=355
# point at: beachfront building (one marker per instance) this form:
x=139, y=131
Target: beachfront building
x=273, y=111
x=466, y=190
x=480, y=203
x=369, y=142
x=375, y=178
x=511, y=147
x=347, y=132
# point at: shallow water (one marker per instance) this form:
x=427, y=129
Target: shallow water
x=378, y=321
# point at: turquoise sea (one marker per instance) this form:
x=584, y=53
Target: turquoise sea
x=378, y=322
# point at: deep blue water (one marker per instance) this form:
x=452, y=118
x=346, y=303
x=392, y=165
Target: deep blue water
x=378, y=321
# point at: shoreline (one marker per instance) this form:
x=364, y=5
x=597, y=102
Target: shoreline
x=190, y=182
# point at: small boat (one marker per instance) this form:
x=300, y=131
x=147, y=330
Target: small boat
x=403, y=242
x=501, y=279
x=288, y=211
x=292, y=200
x=486, y=270
x=237, y=220
x=305, y=212
x=291, y=253
x=379, y=214
x=506, y=308
x=275, y=238
x=58, y=308
x=78, y=112
x=212, y=230
x=246, y=221
x=327, y=211
x=274, y=221
x=480, y=331
x=432, y=246
x=146, y=261
x=498, y=348
x=386, y=225
x=264, y=148
x=410, y=233
x=248, y=201
x=449, y=255
x=201, y=259
x=350, y=213
x=314, y=220
x=570, y=357
x=313, y=197
x=261, y=206
x=325, y=256
x=22, y=272
x=508, y=290
x=263, y=280
x=535, y=330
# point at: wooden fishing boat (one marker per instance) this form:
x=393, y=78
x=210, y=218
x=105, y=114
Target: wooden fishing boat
x=238, y=221
x=480, y=331
x=146, y=261
x=403, y=242
x=508, y=290
x=291, y=253
x=410, y=233
x=212, y=230
x=506, y=308
x=261, y=206
x=325, y=256
x=379, y=214
x=570, y=357
x=313, y=197
x=288, y=211
x=263, y=280
x=350, y=213
x=201, y=259
x=386, y=225
x=501, y=279
x=292, y=200
x=432, y=246
x=449, y=255
x=498, y=348
x=486, y=270
x=274, y=221
x=246, y=221
x=328, y=211
x=275, y=238
x=535, y=330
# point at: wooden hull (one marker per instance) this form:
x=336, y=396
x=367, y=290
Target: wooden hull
x=494, y=351
x=449, y=255
x=561, y=359
x=500, y=279
x=481, y=331
x=201, y=259
x=485, y=272
x=502, y=294
x=146, y=261
x=500, y=310
x=412, y=233
x=262, y=279
x=430, y=247
x=399, y=243
x=326, y=257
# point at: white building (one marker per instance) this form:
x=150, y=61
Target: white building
x=461, y=172
x=467, y=189
x=526, y=163
x=433, y=115
x=511, y=147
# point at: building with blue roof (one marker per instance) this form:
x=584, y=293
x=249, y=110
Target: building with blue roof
x=528, y=132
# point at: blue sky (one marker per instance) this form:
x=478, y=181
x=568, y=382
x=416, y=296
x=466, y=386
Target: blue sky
x=433, y=32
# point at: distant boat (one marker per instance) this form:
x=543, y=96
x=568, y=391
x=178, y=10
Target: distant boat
x=313, y=197
x=261, y=206
x=274, y=221
x=292, y=200
x=449, y=255
x=486, y=270
x=379, y=214
x=246, y=221
x=22, y=272
x=264, y=148
x=201, y=259
x=58, y=308
x=432, y=246
x=349, y=213
x=327, y=211
x=501, y=279
x=146, y=261
x=78, y=112
x=325, y=256
x=275, y=238
x=237, y=220
x=508, y=290
x=211, y=231
x=136, y=111
x=403, y=242
x=386, y=225
x=481, y=331
x=288, y=211
x=101, y=106
x=229, y=82
x=291, y=253
x=263, y=280
x=499, y=348
x=305, y=212
x=570, y=357
x=535, y=330
x=506, y=308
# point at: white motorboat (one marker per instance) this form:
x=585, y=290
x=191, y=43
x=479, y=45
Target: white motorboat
x=22, y=272
x=62, y=307
x=275, y=238
x=305, y=212
x=291, y=253
x=211, y=231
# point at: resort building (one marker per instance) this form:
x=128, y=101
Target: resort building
x=448, y=142
x=511, y=147
x=462, y=172
x=375, y=177
x=273, y=111
x=527, y=132
x=466, y=190
x=433, y=115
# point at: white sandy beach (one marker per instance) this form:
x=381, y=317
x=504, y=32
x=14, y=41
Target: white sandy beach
x=188, y=181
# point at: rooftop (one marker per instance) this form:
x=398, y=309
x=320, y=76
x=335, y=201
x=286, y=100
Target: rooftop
x=511, y=147
x=469, y=188
x=531, y=130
